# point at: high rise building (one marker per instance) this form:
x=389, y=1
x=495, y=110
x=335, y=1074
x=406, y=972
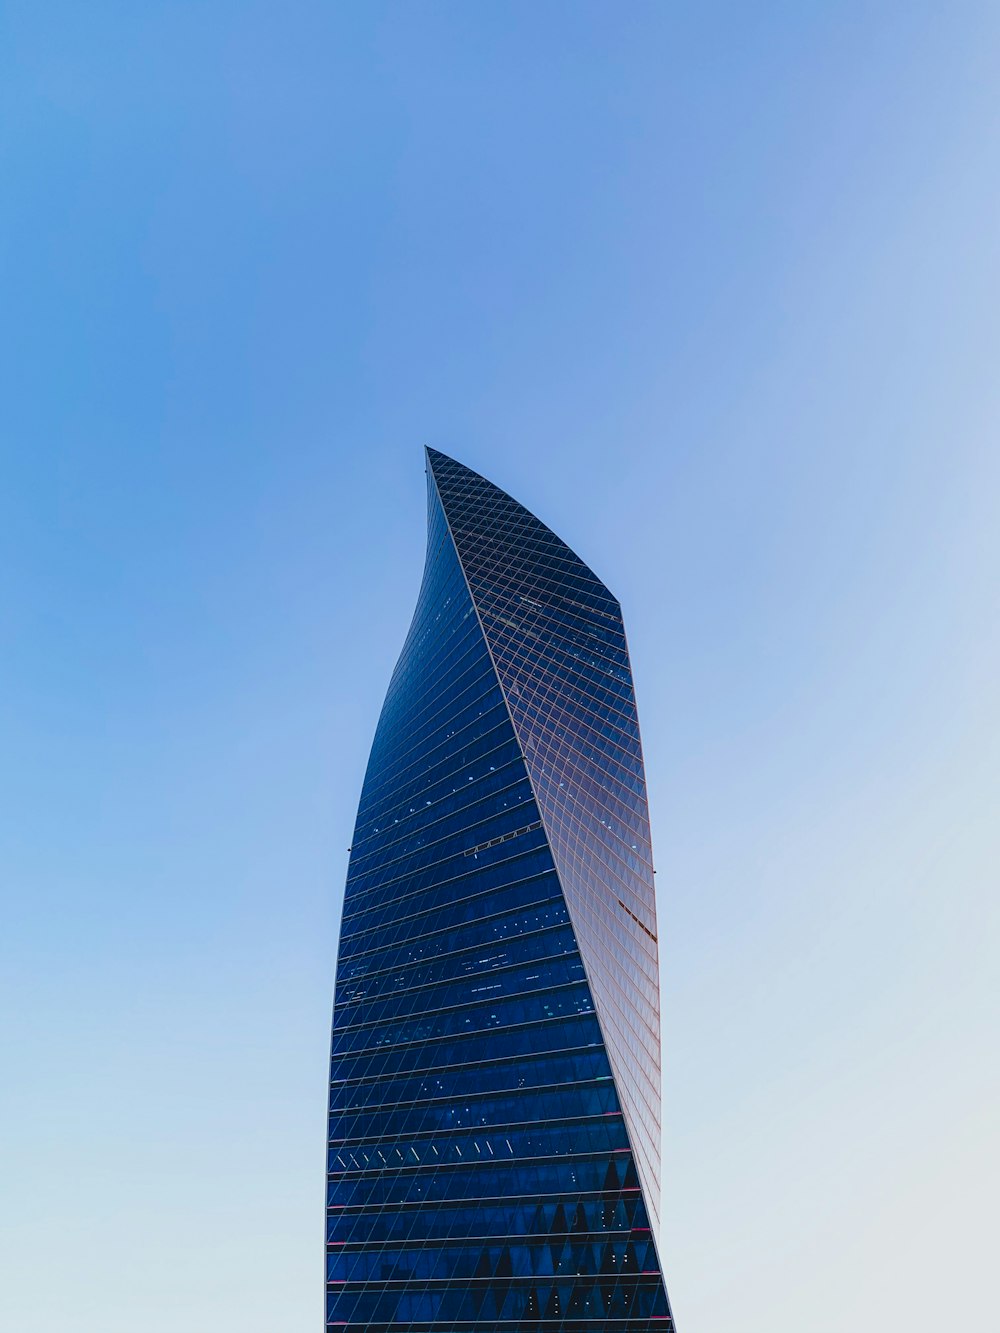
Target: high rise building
x=495, y=1075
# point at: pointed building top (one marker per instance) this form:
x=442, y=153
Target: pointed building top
x=480, y=515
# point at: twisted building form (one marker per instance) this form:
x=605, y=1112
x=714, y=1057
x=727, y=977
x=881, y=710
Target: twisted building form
x=495, y=1074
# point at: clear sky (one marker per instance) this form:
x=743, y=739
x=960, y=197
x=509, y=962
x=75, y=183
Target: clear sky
x=715, y=290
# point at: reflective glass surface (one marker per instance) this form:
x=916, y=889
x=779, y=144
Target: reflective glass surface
x=492, y=1133
x=558, y=642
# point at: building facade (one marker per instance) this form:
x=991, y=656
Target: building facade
x=495, y=1072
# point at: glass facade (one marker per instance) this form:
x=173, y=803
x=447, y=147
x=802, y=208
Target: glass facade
x=494, y=1100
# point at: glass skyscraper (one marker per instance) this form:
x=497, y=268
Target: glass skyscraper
x=495, y=1072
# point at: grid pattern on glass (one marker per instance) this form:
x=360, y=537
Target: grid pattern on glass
x=481, y=1173
x=557, y=640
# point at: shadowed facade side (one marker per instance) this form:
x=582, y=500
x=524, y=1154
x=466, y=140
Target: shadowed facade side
x=494, y=1104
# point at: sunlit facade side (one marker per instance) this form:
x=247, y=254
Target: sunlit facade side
x=494, y=1103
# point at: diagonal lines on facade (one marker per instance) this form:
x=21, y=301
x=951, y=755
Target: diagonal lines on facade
x=494, y=1097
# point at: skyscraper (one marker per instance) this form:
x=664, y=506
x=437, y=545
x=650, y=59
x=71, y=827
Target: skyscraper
x=495, y=1099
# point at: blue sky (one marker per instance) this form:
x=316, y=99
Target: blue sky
x=714, y=290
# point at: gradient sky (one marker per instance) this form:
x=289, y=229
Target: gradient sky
x=713, y=289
